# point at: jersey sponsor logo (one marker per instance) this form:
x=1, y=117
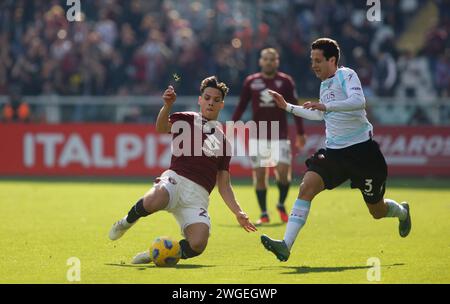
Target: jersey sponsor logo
x=212, y=145
x=328, y=97
x=278, y=83
x=356, y=89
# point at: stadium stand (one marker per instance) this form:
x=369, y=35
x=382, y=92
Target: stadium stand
x=128, y=48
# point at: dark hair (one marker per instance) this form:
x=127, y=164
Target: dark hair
x=213, y=82
x=329, y=47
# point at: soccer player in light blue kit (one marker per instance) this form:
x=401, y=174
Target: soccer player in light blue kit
x=350, y=152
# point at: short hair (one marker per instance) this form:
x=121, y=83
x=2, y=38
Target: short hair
x=329, y=47
x=213, y=82
x=270, y=51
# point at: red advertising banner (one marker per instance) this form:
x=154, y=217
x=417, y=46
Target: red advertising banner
x=137, y=150
x=409, y=151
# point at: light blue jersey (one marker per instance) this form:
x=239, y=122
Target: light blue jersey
x=345, y=119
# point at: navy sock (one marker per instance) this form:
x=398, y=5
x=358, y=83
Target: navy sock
x=261, y=195
x=283, y=189
x=186, y=250
x=136, y=212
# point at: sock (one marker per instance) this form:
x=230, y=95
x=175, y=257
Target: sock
x=395, y=209
x=297, y=219
x=261, y=195
x=283, y=189
x=186, y=250
x=136, y=212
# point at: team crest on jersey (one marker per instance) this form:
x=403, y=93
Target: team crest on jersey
x=206, y=128
x=278, y=83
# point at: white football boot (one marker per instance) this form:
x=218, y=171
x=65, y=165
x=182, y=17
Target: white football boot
x=142, y=258
x=119, y=228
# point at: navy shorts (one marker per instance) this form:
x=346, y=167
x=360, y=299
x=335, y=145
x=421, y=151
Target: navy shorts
x=363, y=164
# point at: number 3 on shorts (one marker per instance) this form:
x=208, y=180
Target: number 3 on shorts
x=369, y=187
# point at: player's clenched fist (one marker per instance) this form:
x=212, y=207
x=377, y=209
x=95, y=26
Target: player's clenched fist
x=169, y=96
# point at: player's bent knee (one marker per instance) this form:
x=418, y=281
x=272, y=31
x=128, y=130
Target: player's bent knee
x=197, y=235
x=260, y=178
x=198, y=245
x=376, y=214
x=311, y=185
x=307, y=191
x=283, y=177
x=284, y=180
x=377, y=208
x=260, y=185
x=156, y=199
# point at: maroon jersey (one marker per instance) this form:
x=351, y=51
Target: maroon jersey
x=211, y=151
x=264, y=108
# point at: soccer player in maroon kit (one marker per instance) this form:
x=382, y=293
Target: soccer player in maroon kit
x=256, y=87
x=184, y=188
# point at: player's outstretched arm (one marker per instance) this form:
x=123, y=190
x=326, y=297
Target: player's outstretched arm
x=162, y=122
x=306, y=111
x=226, y=191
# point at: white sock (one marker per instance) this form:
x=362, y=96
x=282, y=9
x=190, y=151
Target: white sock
x=125, y=222
x=297, y=219
x=395, y=209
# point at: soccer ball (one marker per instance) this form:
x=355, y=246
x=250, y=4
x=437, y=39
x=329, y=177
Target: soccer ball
x=165, y=252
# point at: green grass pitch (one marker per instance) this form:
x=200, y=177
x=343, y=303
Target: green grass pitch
x=45, y=222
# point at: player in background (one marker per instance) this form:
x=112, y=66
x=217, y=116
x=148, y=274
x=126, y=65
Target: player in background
x=184, y=188
x=255, y=89
x=350, y=152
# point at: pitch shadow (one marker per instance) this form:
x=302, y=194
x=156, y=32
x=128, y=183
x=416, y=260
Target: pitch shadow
x=259, y=227
x=308, y=269
x=150, y=266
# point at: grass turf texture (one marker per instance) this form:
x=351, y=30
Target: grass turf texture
x=44, y=222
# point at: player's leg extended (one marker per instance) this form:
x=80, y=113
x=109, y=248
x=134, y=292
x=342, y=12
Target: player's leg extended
x=260, y=181
x=311, y=185
x=196, y=239
x=194, y=244
x=154, y=200
x=372, y=188
x=389, y=208
x=283, y=177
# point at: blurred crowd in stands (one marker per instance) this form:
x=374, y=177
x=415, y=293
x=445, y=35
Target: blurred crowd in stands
x=134, y=47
